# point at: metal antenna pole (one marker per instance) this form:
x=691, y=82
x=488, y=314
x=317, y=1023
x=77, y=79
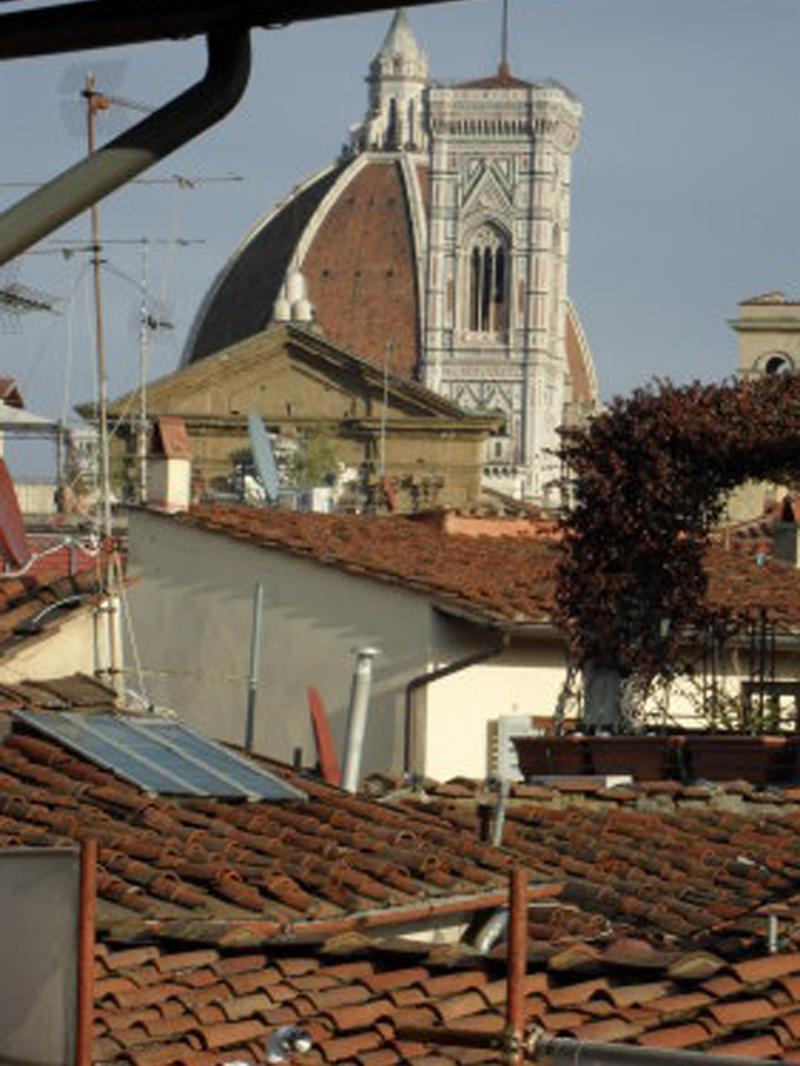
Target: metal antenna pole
x=102, y=385
x=255, y=654
x=387, y=357
x=144, y=338
x=92, y=98
x=504, y=69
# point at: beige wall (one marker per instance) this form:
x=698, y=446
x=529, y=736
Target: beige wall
x=525, y=680
x=192, y=609
x=68, y=648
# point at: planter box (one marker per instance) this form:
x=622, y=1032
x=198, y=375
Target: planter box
x=760, y=760
x=645, y=758
x=547, y=756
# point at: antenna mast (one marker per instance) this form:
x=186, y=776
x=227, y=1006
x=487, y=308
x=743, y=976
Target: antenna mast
x=144, y=352
x=386, y=360
x=94, y=102
x=503, y=70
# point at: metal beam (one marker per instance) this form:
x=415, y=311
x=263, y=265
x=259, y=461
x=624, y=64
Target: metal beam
x=104, y=23
x=179, y=121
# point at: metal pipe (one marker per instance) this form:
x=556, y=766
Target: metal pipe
x=557, y=1051
x=105, y=23
x=357, y=717
x=561, y=1051
x=465, y=1038
x=517, y=965
x=86, y=938
x=500, y=812
x=179, y=121
x=772, y=933
x=255, y=656
x=491, y=932
x=422, y=680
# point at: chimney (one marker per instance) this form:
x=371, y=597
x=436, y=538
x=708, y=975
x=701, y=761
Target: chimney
x=170, y=466
x=785, y=534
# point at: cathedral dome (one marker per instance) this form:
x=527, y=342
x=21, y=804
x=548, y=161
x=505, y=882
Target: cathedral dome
x=440, y=239
x=350, y=230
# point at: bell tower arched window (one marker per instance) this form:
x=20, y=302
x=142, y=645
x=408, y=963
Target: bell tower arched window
x=487, y=282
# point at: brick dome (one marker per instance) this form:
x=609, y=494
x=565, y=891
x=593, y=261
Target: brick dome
x=349, y=231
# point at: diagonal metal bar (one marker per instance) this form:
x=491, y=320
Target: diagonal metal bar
x=195, y=110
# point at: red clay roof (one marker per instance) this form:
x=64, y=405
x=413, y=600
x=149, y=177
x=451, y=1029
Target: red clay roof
x=505, y=579
x=216, y=871
x=653, y=932
x=161, y=1007
x=23, y=599
x=10, y=394
x=678, y=867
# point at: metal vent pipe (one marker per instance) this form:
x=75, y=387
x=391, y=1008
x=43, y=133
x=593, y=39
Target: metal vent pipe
x=560, y=1051
x=357, y=717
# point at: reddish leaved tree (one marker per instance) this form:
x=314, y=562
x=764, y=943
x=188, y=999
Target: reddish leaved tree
x=650, y=477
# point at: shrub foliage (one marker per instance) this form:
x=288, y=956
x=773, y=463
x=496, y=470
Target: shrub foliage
x=650, y=477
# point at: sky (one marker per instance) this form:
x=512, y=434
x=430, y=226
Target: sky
x=685, y=195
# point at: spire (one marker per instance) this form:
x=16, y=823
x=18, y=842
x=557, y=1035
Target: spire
x=400, y=55
x=398, y=76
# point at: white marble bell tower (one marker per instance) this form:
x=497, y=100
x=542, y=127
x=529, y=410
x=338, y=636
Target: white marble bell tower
x=496, y=300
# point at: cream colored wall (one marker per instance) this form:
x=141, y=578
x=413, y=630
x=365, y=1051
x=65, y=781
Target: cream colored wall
x=192, y=610
x=66, y=649
x=525, y=680
x=681, y=702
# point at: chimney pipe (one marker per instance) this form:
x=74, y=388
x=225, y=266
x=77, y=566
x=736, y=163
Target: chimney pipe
x=357, y=717
x=786, y=540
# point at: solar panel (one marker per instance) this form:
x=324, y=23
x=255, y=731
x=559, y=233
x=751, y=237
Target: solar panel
x=160, y=756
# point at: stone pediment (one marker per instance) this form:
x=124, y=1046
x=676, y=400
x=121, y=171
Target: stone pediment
x=286, y=372
x=488, y=196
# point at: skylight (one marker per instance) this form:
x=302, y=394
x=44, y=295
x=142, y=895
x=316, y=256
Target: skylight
x=161, y=757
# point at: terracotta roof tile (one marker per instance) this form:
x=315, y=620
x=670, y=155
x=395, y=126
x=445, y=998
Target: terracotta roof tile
x=504, y=578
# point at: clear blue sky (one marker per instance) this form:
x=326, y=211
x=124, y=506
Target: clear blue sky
x=686, y=194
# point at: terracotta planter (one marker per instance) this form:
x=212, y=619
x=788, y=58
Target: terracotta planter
x=760, y=760
x=645, y=758
x=547, y=756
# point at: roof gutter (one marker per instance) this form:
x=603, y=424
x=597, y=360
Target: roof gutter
x=422, y=680
x=74, y=27
x=169, y=128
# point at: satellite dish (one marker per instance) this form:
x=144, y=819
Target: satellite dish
x=263, y=456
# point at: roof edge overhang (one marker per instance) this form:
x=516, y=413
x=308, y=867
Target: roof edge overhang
x=243, y=932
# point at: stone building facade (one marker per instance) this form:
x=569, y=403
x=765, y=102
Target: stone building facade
x=436, y=246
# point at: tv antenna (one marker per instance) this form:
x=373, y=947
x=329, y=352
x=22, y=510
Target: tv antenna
x=17, y=300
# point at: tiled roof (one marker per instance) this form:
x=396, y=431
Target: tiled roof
x=652, y=928
x=216, y=871
x=502, y=578
x=24, y=599
x=77, y=692
x=693, y=877
x=156, y=1007
x=509, y=580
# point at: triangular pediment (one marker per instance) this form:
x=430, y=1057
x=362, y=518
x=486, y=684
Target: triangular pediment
x=286, y=372
x=488, y=195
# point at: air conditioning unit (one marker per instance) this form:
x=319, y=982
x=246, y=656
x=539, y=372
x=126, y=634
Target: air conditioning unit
x=502, y=755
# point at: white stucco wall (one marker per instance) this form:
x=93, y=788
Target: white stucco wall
x=192, y=609
x=525, y=680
